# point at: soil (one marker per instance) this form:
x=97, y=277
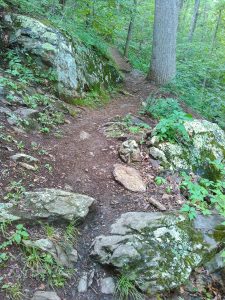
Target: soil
x=85, y=166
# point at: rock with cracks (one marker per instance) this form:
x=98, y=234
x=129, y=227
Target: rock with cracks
x=158, y=251
x=47, y=204
x=75, y=67
x=129, y=177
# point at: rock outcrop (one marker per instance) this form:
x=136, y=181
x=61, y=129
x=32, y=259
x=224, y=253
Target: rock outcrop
x=47, y=204
x=158, y=251
x=76, y=67
x=207, y=141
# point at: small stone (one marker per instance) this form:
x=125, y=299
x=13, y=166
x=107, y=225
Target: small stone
x=83, y=283
x=129, y=177
x=84, y=135
x=21, y=157
x=129, y=151
x=108, y=285
x=28, y=166
x=42, y=295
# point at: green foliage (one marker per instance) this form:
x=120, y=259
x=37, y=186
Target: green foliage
x=71, y=232
x=172, y=129
x=36, y=100
x=49, y=119
x=93, y=99
x=125, y=289
x=162, y=107
x=44, y=266
x=132, y=127
x=16, y=237
x=160, y=180
x=16, y=189
x=13, y=290
x=204, y=195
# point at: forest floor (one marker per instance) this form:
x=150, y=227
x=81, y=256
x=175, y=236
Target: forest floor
x=82, y=161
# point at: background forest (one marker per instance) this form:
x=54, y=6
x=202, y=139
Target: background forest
x=200, y=44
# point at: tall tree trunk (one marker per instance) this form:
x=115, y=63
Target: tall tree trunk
x=163, y=62
x=130, y=29
x=62, y=2
x=194, y=20
x=216, y=29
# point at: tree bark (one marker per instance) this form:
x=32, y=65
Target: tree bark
x=216, y=29
x=163, y=61
x=194, y=20
x=130, y=29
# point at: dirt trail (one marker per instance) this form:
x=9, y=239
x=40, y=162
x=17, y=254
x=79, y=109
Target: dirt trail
x=86, y=166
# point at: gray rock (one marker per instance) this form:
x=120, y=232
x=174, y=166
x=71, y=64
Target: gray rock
x=83, y=283
x=207, y=140
x=22, y=157
x=216, y=264
x=129, y=151
x=75, y=66
x=48, y=204
x=84, y=135
x=42, y=295
x=26, y=113
x=158, y=251
x=108, y=285
x=5, y=110
x=129, y=177
x=63, y=253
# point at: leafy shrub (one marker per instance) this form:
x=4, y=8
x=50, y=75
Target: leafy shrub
x=172, y=128
x=162, y=108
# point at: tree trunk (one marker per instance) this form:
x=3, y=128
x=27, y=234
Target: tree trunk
x=62, y=2
x=216, y=29
x=130, y=29
x=163, y=62
x=194, y=20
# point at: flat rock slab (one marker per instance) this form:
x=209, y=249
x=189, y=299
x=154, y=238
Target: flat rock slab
x=47, y=204
x=42, y=295
x=129, y=177
x=158, y=251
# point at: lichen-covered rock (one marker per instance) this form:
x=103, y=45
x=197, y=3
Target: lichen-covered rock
x=158, y=251
x=48, y=204
x=129, y=151
x=76, y=67
x=207, y=141
x=42, y=295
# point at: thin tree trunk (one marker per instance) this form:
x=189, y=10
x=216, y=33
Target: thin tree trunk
x=216, y=29
x=130, y=29
x=194, y=20
x=62, y=2
x=163, y=62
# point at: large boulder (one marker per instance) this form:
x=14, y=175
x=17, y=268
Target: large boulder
x=77, y=68
x=158, y=251
x=207, y=141
x=47, y=204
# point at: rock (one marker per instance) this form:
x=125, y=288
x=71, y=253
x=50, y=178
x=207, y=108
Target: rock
x=129, y=151
x=42, y=295
x=158, y=251
x=5, y=110
x=63, y=253
x=207, y=140
x=26, y=113
x=22, y=157
x=28, y=166
x=76, y=67
x=129, y=177
x=84, y=135
x=216, y=264
x=108, y=285
x=83, y=284
x=47, y=204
